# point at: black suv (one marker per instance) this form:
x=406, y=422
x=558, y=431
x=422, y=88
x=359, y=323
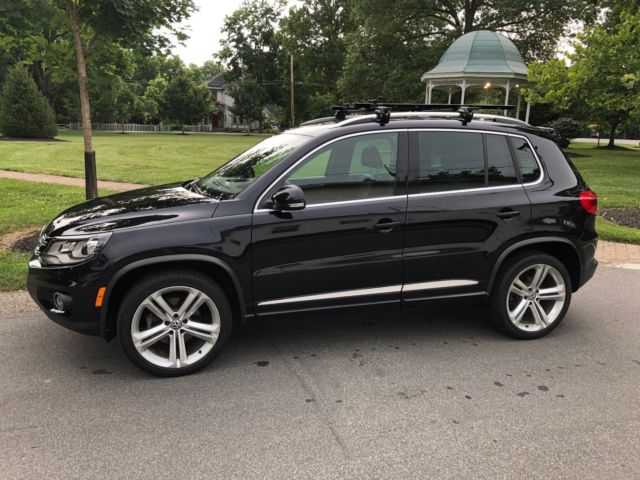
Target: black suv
x=367, y=209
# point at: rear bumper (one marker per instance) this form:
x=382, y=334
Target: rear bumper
x=588, y=271
x=80, y=314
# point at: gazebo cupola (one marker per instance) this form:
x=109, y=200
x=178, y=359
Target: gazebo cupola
x=479, y=60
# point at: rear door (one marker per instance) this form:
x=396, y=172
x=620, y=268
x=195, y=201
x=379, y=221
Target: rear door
x=465, y=202
x=345, y=247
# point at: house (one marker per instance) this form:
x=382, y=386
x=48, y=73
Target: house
x=225, y=119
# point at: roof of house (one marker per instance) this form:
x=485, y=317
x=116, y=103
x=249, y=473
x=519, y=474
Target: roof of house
x=480, y=53
x=216, y=82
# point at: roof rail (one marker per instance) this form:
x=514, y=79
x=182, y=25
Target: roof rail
x=382, y=111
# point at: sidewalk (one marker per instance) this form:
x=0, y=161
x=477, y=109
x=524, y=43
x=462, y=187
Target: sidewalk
x=604, y=141
x=74, y=182
x=624, y=255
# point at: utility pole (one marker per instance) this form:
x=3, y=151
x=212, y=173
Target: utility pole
x=292, y=89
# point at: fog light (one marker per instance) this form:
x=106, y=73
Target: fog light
x=61, y=302
x=58, y=301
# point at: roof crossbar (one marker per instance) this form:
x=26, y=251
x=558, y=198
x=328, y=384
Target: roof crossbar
x=383, y=110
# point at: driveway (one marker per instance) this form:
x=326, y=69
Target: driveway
x=428, y=394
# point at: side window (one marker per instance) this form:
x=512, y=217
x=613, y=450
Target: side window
x=354, y=168
x=450, y=161
x=499, y=162
x=529, y=167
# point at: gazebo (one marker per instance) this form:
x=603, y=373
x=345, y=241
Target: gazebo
x=480, y=59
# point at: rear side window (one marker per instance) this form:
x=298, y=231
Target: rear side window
x=527, y=163
x=450, y=161
x=499, y=162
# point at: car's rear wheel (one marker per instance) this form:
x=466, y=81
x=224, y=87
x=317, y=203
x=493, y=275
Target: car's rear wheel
x=174, y=323
x=531, y=296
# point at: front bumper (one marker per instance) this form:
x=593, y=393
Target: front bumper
x=81, y=315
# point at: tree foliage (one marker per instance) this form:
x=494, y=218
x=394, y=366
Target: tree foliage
x=603, y=79
x=186, y=101
x=24, y=112
x=249, y=98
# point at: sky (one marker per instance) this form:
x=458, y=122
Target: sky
x=204, y=30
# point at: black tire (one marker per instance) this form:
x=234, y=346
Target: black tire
x=497, y=306
x=163, y=280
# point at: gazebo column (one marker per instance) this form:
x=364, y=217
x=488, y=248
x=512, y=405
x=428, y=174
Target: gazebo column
x=506, y=97
x=526, y=115
x=464, y=89
x=518, y=106
x=449, y=101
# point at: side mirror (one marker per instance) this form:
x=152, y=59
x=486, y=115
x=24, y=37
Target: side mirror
x=288, y=197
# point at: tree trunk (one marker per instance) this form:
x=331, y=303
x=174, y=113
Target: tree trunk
x=91, y=182
x=612, y=135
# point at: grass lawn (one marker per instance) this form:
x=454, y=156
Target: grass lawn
x=615, y=176
x=26, y=205
x=149, y=158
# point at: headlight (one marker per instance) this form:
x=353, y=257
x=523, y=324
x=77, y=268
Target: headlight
x=69, y=251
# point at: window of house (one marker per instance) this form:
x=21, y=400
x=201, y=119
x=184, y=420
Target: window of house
x=353, y=168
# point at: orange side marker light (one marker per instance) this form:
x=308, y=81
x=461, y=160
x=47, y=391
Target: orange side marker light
x=100, y=296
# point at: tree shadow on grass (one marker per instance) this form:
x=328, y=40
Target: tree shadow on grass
x=45, y=140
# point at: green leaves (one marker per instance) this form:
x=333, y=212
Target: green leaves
x=24, y=112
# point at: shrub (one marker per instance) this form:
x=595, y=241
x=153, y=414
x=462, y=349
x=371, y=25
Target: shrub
x=565, y=130
x=24, y=112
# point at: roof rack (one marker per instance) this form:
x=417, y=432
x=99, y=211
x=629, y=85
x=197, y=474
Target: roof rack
x=382, y=111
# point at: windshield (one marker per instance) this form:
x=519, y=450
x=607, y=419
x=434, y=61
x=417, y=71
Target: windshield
x=236, y=175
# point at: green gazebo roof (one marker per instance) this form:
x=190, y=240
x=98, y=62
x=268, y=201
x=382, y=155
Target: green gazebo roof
x=480, y=54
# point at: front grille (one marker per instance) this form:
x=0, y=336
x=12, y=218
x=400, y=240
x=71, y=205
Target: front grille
x=43, y=241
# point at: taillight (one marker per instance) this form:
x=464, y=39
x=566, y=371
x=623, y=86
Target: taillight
x=589, y=201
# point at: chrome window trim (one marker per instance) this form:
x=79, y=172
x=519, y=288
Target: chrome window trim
x=312, y=152
x=360, y=292
x=499, y=187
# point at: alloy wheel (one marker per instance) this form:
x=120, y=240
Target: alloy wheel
x=175, y=327
x=536, y=297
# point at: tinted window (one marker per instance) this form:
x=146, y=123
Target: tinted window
x=450, y=161
x=351, y=169
x=500, y=164
x=526, y=160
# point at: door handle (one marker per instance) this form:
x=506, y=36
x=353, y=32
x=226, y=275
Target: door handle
x=508, y=213
x=385, y=225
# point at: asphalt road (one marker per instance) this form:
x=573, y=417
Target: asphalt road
x=434, y=394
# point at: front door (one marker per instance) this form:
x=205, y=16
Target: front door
x=466, y=201
x=345, y=247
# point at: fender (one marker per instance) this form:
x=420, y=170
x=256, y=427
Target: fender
x=525, y=243
x=164, y=259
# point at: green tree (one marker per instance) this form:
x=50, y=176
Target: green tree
x=249, y=98
x=392, y=47
x=251, y=48
x=314, y=33
x=24, y=112
x=603, y=78
x=187, y=101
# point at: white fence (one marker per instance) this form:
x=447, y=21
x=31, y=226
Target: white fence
x=136, y=127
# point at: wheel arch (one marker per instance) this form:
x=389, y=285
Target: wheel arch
x=212, y=267
x=561, y=248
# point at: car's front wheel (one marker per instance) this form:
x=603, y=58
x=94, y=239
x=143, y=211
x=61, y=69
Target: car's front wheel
x=531, y=295
x=174, y=323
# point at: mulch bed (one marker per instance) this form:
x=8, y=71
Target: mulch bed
x=26, y=244
x=628, y=217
